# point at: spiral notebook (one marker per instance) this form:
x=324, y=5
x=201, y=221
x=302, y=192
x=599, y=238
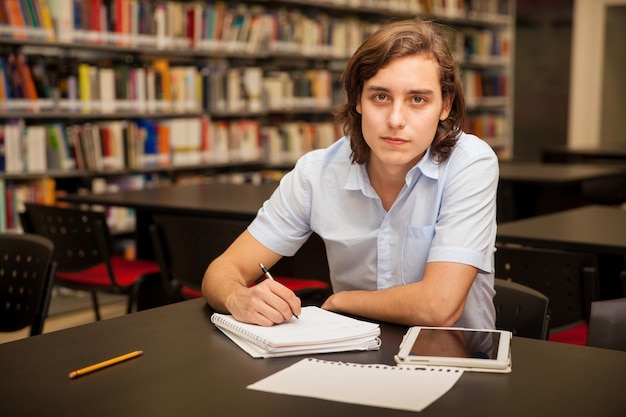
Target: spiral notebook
x=400, y=388
x=316, y=331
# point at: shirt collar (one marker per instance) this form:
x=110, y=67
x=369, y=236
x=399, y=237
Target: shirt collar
x=358, y=179
x=426, y=166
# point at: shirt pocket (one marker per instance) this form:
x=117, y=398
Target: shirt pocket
x=415, y=248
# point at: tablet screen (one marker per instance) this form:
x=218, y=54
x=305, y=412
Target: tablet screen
x=456, y=343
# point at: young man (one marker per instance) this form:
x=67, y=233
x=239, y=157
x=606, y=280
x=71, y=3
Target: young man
x=405, y=202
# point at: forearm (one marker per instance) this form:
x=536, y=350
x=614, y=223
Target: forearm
x=226, y=285
x=437, y=300
x=220, y=282
x=395, y=305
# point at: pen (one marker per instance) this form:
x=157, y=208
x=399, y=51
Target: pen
x=104, y=364
x=269, y=276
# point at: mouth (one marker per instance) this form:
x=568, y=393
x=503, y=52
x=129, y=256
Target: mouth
x=394, y=141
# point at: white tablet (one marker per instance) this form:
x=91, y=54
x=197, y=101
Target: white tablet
x=480, y=350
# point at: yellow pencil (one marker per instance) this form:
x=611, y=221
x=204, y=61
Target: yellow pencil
x=104, y=364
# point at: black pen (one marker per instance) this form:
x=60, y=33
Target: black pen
x=269, y=276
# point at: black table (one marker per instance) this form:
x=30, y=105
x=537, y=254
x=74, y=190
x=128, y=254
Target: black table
x=189, y=368
x=224, y=200
x=596, y=229
x=613, y=154
x=591, y=228
x=528, y=189
x=216, y=200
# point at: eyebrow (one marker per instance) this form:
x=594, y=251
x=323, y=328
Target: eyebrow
x=425, y=91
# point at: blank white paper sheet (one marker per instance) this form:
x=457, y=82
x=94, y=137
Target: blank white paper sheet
x=402, y=388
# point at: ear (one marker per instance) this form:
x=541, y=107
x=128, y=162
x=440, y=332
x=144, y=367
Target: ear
x=358, y=106
x=446, y=107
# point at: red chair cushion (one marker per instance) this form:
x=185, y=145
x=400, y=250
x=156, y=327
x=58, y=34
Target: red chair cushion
x=126, y=273
x=189, y=292
x=294, y=284
x=297, y=284
x=576, y=335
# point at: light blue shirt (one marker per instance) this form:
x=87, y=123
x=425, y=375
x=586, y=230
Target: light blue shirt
x=444, y=212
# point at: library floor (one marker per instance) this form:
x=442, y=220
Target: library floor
x=69, y=310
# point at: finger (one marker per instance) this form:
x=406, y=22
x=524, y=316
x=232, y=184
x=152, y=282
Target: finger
x=288, y=296
x=268, y=301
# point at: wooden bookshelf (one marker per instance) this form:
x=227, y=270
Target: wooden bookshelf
x=153, y=88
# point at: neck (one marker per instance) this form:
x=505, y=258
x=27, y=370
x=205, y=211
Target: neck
x=387, y=183
x=387, y=180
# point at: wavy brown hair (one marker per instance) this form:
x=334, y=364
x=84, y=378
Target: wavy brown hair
x=397, y=40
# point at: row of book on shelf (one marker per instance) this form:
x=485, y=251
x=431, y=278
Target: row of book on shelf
x=145, y=143
x=491, y=127
x=167, y=25
x=443, y=8
x=38, y=83
x=44, y=190
x=43, y=83
x=216, y=26
x=14, y=195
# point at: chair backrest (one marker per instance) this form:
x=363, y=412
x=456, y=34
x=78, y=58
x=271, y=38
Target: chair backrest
x=184, y=246
x=26, y=274
x=81, y=237
x=607, y=324
x=521, y=310
x=569, y=279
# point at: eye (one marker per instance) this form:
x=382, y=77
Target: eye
x=379, y=97
x=418, y=99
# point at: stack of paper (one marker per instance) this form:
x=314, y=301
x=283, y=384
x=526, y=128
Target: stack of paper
x=316, y=331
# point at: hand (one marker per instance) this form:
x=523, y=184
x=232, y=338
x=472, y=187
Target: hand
x=329, y=303
x=265, y=304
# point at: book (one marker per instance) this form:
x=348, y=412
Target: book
x=9, y=199
x=46, y=19
x=29, y=16
x=35, y=142
x=2, y=151
x=16, y=18
x=28, y=85
x=14, y=78
x=63, y=17
x=14, y=147
x=316, y=331
x=3, y=208
x=4, y=17
x=5, y=91
x=41, y=80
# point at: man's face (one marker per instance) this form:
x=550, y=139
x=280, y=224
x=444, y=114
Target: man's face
x=401, y=107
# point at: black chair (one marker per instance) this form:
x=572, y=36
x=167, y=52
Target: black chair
x=26, y=275
x=607, y=324
x=521, y=310
x=569, y=279
x=184, y=247
x=83, y=251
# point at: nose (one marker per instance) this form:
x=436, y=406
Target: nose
x=397, y=118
